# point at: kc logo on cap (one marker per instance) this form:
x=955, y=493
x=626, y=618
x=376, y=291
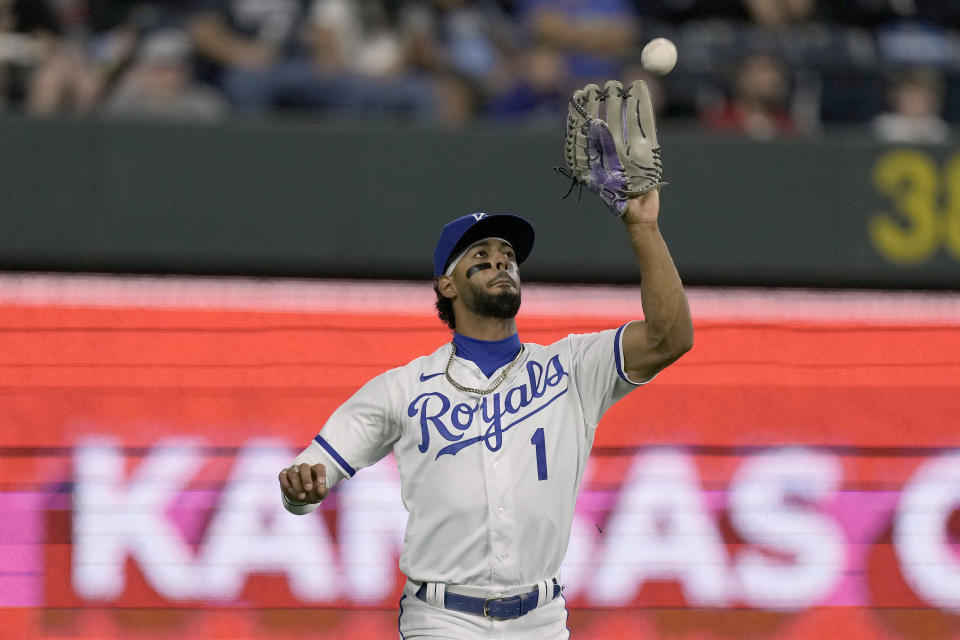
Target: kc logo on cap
x=462, y=232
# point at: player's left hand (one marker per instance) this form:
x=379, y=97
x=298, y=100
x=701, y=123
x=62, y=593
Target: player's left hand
x=644, y=208
x=617, y=158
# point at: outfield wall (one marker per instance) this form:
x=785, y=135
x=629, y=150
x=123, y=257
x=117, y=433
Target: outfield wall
x=298, y=198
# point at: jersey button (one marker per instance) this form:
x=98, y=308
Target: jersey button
x=504, y=554
x=500, y=509
x=496, y=465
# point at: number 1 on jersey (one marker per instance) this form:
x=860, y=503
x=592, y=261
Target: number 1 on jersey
x=537, y=441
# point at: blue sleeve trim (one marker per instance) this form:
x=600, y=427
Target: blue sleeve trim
x=347, y=469
x=617, y=351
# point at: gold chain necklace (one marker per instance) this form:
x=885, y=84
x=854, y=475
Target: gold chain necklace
x=482, y=392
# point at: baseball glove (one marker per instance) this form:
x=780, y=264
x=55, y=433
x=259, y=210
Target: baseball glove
x=617, y=159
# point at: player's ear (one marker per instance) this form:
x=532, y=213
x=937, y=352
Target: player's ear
x=446, y=287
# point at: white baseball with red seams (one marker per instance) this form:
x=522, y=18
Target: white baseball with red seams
x=490, y=481
x=659, y=56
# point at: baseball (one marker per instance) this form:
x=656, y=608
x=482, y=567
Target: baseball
x=659, y=56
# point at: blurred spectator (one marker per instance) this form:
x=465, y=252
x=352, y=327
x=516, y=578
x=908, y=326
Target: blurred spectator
x=336, y=55
x=20, y=44
x=161, y=85
x=252, y=50
x=592, y=36
x=915, y=43
x=450, y=61
x=468, y=45
x=780, y=13
x=41, y=72
x=915, y=101
x=114, y=29
x=358, y=50
x=355, y=37
x=758, y=104
x=541, y=92
x=538, y=92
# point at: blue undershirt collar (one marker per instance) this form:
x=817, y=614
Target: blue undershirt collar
x=489, y=355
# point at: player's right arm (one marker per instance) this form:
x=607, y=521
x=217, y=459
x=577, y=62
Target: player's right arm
x=358, y=434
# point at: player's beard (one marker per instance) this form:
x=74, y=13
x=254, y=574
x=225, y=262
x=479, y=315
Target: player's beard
x=503, y=305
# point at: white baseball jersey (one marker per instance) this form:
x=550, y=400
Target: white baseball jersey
x=489, y=481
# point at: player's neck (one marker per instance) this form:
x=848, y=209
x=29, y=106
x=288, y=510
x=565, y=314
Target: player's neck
x=485, y=328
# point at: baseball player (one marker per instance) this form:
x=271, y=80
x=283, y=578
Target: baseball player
x=491, y=434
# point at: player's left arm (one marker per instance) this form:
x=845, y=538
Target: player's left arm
x=666, y=332
x=619, y=160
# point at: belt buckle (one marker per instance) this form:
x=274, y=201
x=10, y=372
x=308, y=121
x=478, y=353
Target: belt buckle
x=486, y=610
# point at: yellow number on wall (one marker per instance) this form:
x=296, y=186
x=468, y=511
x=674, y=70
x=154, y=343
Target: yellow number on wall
x=910, y=180
x=951, y=219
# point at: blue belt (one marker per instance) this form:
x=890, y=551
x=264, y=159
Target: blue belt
x=506, y=608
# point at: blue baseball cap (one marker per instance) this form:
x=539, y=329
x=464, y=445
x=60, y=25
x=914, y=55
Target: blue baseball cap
x=462, y=232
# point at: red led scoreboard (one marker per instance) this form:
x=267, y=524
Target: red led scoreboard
x=795, y=476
